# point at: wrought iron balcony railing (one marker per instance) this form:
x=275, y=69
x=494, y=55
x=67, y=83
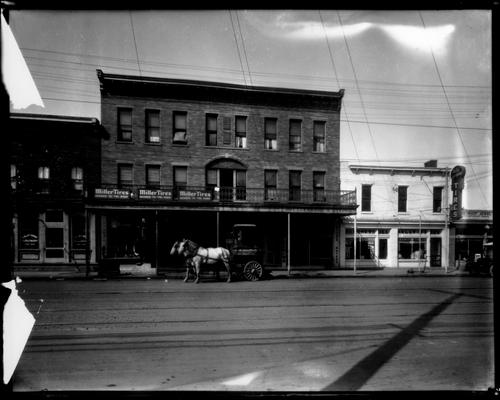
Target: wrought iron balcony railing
x=223, y=195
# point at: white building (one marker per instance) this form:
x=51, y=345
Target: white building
x=401, y=220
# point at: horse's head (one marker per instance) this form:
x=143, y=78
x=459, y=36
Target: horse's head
x=187, y=247
x=175, y=248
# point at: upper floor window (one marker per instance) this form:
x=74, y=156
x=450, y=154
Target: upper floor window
x=180, y=177
x=437, y=196
x=366, y=197
x=270, y=184
x=152, y=126
x=319, y=132
x=43, y=178
x=153, y=175
x=13, y=176
x=226, y=131
x=125, y=124
x=241, y=132
x=295, y=140
x=294, y=185
x=319, y=186
x=211, y=130
x=77, y=178
x=180, y=127
x=43, y=173
x=402, y=198
x=270, y=134
x=125, y=175
x=211, y=178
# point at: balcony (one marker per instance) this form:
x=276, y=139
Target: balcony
x=224, y=196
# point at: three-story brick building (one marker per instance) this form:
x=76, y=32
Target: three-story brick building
x=192, y=158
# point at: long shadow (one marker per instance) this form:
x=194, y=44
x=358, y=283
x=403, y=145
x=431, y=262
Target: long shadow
x=360, y=373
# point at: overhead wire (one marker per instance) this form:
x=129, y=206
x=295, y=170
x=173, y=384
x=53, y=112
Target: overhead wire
x=343, y=109
x=237, y=48
x=449, y=106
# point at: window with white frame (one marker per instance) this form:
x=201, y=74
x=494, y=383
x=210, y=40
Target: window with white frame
x=241, y=132
x=124, y=125
x=295, y=135
x=270, y=134
x=77, y=178
x=319, y=133
x=180, y=127
x=152, y=126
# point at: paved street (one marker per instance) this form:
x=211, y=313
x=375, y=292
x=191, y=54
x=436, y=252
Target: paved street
x=385, y=333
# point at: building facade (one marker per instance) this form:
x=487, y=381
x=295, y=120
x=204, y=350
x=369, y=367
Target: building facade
x=402, y=219
x=191, y=158
x=54, y=160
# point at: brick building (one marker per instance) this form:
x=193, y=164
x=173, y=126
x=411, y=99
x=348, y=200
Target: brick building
x=192, y=158
x=54, y=159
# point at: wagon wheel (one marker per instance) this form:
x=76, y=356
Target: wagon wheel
x=252, y=271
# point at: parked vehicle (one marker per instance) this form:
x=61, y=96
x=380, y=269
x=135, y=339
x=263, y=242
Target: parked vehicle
x=246, y=254
x=482, y=263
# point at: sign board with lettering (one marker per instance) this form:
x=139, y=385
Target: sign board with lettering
x=203, y=195
x=101, y=193
x=457, y=185
x=155, y=194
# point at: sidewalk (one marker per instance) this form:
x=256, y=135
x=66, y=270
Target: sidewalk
x=146, y=272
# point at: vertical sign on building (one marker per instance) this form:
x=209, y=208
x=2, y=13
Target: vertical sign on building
x=457, y=185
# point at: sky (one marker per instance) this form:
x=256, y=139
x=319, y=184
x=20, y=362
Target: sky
x=417, y=83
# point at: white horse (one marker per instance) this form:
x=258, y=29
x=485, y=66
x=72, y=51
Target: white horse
x=196, y=256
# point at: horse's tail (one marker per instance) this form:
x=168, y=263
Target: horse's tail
x=226, y=254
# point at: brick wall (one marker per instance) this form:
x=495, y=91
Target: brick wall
x=196, y=155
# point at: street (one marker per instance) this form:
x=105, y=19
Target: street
x=333, y=334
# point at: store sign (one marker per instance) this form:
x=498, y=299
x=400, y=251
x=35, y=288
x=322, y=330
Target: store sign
x=457, y=185
x=203, y=195
x=153, y=194
x=112, y=194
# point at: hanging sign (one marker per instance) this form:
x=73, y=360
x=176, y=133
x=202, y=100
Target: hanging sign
x=457, y=185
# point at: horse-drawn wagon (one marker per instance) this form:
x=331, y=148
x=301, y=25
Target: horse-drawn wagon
x=246, y=254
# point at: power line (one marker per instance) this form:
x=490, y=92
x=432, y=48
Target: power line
x=357, y=85
x=449, y=106
x=135, y=43
x=244, y=48
x=338, y=82
x=237, y=48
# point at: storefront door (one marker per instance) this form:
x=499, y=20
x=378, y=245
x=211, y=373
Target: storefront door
x=54, y=235
x=435, y=252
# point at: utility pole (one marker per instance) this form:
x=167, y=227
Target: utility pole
x=446, y=245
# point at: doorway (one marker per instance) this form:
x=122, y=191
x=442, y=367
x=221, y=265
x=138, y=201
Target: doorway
x=435, y=252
